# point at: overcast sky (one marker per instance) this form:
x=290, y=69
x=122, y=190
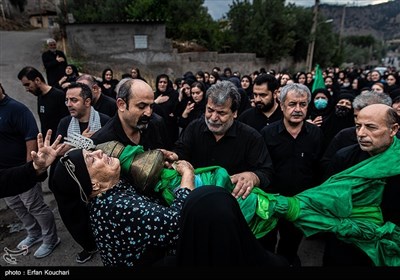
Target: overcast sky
x=218, y=8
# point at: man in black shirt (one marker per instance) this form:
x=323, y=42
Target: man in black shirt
x=100, y=102
x=376, y=127
x=55, y=62
x=50, y=100
x=135, y=123
x=348, y=136
x=218, y=139
x=295, y=146
x=266, y=110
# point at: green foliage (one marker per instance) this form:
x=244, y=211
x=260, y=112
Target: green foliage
x=268, y=28
x=363, y=49
x=361, y=41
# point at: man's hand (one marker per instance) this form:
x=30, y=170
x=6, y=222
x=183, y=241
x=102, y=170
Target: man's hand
x=169, y=158
x=244, y=182
x=87, y=132
x=47, y=153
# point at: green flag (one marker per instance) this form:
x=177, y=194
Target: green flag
x=318, y=80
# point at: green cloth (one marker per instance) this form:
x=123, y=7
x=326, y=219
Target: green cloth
x=346, y=204
x=127, y=156
x=318, y=79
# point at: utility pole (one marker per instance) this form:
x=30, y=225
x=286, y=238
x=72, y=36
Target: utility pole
x=2, y=10
x=342, y=27
x=311, y=44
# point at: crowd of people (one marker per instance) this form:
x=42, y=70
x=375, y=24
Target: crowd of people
x=273, y=132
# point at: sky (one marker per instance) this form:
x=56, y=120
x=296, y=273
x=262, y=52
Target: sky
x=218, y=8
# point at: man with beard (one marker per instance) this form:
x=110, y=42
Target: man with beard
x=83, y=118
x=295, y=148
x=266, y=108
x=50, y=100
x=133, y=124
x=218, y=139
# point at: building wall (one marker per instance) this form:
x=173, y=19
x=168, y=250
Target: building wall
x=112, y=45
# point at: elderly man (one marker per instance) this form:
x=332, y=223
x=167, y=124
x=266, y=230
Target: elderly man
x=55, y=62
x=219, y=139
x=295, y=146
x=376, y=126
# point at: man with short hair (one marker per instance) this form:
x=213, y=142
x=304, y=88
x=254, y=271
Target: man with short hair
x=266, y=109
x=50, y=100
x=348, y=136
x=376, y=128
x=83, y=118
x=55, y=62
x=100, y=102
x=133, y=124
x=219, y=139
x=295, y=146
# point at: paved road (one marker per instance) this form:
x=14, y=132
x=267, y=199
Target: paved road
x=19, y=49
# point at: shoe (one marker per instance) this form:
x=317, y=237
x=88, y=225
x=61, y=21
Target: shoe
x=46, y=249
x=29, y=242
x=84, y=256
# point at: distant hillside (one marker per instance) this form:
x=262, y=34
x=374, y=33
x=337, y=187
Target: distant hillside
x=381, y=21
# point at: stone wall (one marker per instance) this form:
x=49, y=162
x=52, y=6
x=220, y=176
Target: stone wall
x=112, y=45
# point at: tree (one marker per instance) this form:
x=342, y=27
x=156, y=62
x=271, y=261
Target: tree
x=263, y=27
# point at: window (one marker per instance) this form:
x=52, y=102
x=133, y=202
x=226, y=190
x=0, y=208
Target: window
x=140, y=41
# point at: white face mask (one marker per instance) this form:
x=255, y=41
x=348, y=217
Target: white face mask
x=346, y=84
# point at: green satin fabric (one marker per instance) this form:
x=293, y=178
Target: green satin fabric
x=347, y=204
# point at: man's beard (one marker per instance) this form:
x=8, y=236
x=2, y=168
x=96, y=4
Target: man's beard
x=142, y=123
x=265, y=107
x=37, y=92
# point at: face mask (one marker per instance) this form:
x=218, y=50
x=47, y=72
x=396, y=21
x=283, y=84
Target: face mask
x=342, y=111
x=320, y=103
x=346, y=84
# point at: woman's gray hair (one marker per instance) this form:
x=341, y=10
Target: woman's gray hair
x=297, y=88
x=221, y=92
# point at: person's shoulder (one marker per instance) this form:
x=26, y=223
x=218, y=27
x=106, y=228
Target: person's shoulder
x=247, y=113
x=348, y=151
x=57, y=91
x=272, y=126
x=104, y=118
x=66, y=119
x=107, y=99
x=245, y=128
x=11, y=102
